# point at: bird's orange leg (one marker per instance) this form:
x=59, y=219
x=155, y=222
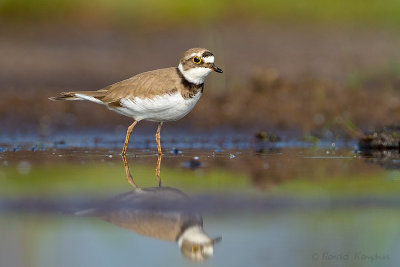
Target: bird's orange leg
x=158, y=138
x=128, y=134
x=158, y=168
x=128, y=173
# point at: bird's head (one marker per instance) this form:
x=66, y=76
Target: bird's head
x=196, y=64
x=196, y=245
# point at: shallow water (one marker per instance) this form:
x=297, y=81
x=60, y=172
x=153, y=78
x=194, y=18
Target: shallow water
x=278, y=204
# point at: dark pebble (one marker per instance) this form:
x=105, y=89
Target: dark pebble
x=193, y=164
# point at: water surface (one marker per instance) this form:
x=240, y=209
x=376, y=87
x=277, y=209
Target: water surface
x=281, y=204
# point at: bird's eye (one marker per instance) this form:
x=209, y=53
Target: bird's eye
x=196, y=248
x=196, y=60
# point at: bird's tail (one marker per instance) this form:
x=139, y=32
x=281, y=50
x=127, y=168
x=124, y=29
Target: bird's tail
x=64, y=96
x=94, y=96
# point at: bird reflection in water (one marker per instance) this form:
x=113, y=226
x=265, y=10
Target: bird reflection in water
x=162, y=213
x=129, y=175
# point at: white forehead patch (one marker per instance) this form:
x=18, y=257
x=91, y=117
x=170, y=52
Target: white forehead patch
x=209, y=59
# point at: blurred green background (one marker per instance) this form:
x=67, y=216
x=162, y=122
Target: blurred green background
x=167, y=13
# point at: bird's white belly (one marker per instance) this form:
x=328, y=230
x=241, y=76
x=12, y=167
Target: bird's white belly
x=168, y=107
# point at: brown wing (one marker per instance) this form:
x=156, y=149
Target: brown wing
x=146, y=85
x=164, y=226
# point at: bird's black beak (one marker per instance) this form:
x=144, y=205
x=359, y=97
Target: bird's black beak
x=217, y=239
x=216, y=69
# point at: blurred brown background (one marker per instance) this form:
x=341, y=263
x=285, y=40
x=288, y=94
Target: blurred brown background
x=315, y=67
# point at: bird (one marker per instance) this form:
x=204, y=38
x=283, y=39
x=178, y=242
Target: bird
x=163, y=213
x=160, y=95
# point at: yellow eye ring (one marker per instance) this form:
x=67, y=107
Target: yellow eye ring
x=196, y=248
x=196, y=60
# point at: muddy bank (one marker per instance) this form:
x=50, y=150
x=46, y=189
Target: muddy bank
x=272, y=103
x=312, y=105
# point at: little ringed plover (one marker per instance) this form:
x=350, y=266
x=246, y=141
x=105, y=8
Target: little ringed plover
x=159, y=95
